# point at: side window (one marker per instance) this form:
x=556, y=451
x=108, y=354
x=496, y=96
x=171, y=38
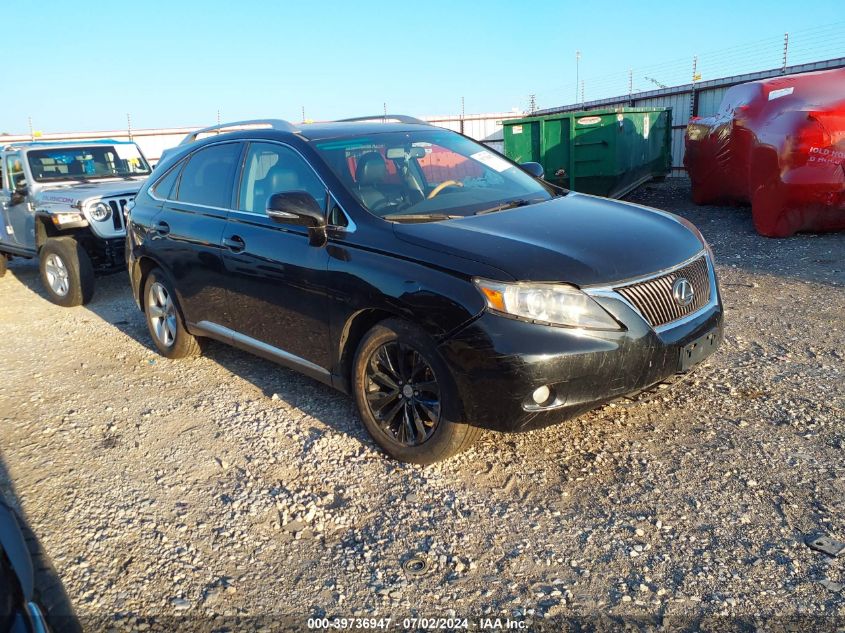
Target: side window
x=207, y=178
x=15, y=169
x=336, y=216
x=163, y=189
x=271, y=168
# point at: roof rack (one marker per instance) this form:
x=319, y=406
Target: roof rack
x=79, y=143
x=276, y=124
x=400, y=118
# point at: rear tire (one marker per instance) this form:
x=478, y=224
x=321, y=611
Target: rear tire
x=67, y=273
x=403, y=390
x=3, y=261
x=164, y=318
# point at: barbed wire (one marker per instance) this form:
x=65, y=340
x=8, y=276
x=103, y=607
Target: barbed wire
x=816, y=43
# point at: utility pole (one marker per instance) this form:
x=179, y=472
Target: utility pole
x=630, y=83
x=532, y=103
x=577, y=72
x=129, y=125
x=385, y=109
x=218, y=116
x=693, y=102
x=303, y=114
x=582, y=92
x=785, y=50
x=463, y=114
x=31, y=131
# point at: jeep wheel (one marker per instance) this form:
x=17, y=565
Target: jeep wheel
x=3, y=261
x=401, y=386
x=66, y=272
x=164, y=319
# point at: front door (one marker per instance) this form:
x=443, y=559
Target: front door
x=276, y=279
x=18, y=219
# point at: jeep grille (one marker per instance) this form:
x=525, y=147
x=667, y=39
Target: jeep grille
x=118, y=208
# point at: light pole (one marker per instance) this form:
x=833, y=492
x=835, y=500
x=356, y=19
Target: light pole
x=577, y=73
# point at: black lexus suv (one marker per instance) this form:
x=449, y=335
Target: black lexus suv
x=445, y=287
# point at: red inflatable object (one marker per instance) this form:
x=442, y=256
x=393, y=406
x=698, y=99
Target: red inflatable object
x=780, y=145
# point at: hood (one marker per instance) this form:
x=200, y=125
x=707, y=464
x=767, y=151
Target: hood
x=579, y=239
x=68, y=193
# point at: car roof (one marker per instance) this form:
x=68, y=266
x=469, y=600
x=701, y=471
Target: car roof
x=314, y=131
x=339, y=129
x=61, y=144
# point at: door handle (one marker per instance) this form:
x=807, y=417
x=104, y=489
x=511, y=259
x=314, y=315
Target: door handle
x=234, y=243
x=162, y=228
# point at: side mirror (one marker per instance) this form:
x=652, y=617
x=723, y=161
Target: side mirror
x=19, y=194
x=534, y=169
x=300, y=209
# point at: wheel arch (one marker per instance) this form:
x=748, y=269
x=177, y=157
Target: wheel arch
x=144, y=266
x=351, y=334
x=44, y=230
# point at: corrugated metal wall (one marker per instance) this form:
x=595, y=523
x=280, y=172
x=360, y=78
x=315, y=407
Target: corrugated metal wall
x=680, y=99
x=486, y=128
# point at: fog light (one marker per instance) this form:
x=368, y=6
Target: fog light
x=541, y=395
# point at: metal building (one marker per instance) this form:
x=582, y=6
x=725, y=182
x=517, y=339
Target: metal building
x=695, y=99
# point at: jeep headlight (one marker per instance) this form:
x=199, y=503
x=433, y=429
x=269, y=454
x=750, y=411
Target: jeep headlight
x=100, y=211
x=555, y=304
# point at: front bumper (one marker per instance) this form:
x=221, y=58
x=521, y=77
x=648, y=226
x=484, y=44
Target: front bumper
x=497, y=362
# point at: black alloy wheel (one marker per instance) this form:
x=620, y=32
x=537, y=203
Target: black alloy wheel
x=402, y=393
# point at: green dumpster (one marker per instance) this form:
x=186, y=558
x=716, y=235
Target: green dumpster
x=602, y=152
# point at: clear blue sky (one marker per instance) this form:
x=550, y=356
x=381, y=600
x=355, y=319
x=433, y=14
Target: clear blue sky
x=84, y=65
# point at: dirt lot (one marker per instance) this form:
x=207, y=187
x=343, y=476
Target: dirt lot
x=231, y=493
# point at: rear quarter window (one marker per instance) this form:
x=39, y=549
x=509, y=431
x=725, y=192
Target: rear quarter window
x=163, y=188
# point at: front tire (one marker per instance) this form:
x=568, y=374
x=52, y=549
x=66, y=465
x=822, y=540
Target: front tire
x=67, y=273
x=403, y=391
x=164, y=319
x=3, y=261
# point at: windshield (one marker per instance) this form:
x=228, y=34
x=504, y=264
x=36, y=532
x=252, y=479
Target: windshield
x=428, y=175
x=85, y=163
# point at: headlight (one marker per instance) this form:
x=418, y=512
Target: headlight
x=100, y=211
x=557, y=304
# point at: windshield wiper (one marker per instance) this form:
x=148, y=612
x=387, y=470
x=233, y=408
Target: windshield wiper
x=507, y=205
x=419, y=217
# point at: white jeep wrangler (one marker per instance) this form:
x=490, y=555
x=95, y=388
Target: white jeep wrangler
x=64, y=203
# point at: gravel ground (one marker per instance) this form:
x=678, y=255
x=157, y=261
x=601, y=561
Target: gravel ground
x=227, y=493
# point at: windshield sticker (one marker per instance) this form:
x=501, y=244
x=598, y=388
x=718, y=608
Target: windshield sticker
x=127, y=152
x=777, y=94
x=491, y=160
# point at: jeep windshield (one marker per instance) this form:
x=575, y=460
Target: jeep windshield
x=429, y=175
x=87, y=163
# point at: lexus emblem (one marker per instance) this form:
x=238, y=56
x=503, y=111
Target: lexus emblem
x=682, y=292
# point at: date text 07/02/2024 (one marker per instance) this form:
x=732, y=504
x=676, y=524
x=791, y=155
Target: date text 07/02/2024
x=416, y=623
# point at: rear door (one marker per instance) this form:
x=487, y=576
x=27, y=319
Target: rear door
x=277, y=281
x=189, y=230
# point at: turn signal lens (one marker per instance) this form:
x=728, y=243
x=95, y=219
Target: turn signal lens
x=556, y=304
x=495, y=298
x=60, y=219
